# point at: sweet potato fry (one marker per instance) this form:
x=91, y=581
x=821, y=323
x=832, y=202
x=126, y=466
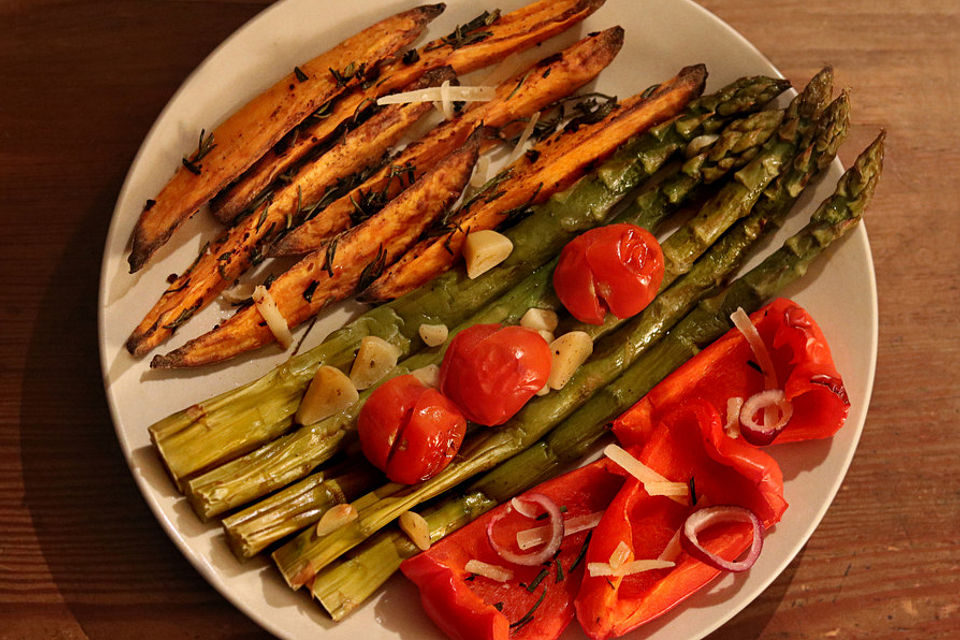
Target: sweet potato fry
x=230, y=255
x=242, y=138
x=551, y=166
x=508, y=34
x=335, y=271
x=518, y=97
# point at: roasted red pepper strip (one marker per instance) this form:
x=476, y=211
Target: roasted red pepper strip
x=687, y=443
x=804, y=366
x=472, y=607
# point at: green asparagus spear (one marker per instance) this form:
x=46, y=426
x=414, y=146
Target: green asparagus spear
x=239, y=420
x=307, y=553
x=291, y=456
x=250, y=531
x=343, y=586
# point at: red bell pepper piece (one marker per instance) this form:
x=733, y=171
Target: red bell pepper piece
x=804, y=367
x=473, y=607
x=688, y=443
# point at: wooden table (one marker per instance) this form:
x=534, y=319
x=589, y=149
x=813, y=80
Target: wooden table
x=82, y=557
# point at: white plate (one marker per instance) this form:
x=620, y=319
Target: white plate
x=661, y=37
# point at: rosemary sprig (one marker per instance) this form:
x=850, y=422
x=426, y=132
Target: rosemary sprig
x=468, y=33
x=204, y=146
x=310, y=290
x=331, y=254
x=184, y=315
x=373, y=270
x=536, y=581
x=528, y=616
x=582, y=554
x=348, y=73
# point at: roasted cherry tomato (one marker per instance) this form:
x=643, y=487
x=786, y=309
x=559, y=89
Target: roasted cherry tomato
x=410, y=431
x=491, y=371
x=617, y=268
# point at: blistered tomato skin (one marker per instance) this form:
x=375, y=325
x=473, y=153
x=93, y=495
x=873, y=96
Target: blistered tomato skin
x=491, y=371
x=617, y=268
x=409, y=431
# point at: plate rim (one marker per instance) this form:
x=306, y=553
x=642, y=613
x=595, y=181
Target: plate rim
x=211, y=573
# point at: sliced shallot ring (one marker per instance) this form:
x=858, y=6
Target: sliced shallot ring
x=762, y=434
x=524, y=508
x=706, y=517
x=554, y=520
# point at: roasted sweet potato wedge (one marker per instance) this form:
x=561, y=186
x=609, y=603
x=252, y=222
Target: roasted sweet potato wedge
x=550, y=166
x=480, y=45
x=239, y=247
x=520, y=96
x=241, y=139
x=339, y=268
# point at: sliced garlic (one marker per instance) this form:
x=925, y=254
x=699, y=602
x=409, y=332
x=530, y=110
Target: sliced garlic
x=416, y=528
x=483, y=250
x=375, y=358
x=433, y=335
x=428, y=375
x=437, y=94
x=239, y=292
x=569, y=352
x=540, y=319
x=330, y=392
x=492, y=571
x=271, y=314
x=336, y=517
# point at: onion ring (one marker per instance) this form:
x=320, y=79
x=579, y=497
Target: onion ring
x=707, y=516
x=555, y=521
x=762, y=434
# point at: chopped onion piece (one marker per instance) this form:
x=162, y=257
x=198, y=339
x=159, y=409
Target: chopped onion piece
x=271, y=314
x=416, y=528
x=336, y=517
x=702, y=519
x=530, y=538
x=742, y=322
x=526, y=509
x=527, y=132
x=732, y=427
x=435, y=94
x=771, y=400
x=642, y=472
x=492, y=571
x=555, y=522
x=602, y=569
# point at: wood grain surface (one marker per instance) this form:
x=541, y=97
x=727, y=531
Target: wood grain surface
x=81, y=556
